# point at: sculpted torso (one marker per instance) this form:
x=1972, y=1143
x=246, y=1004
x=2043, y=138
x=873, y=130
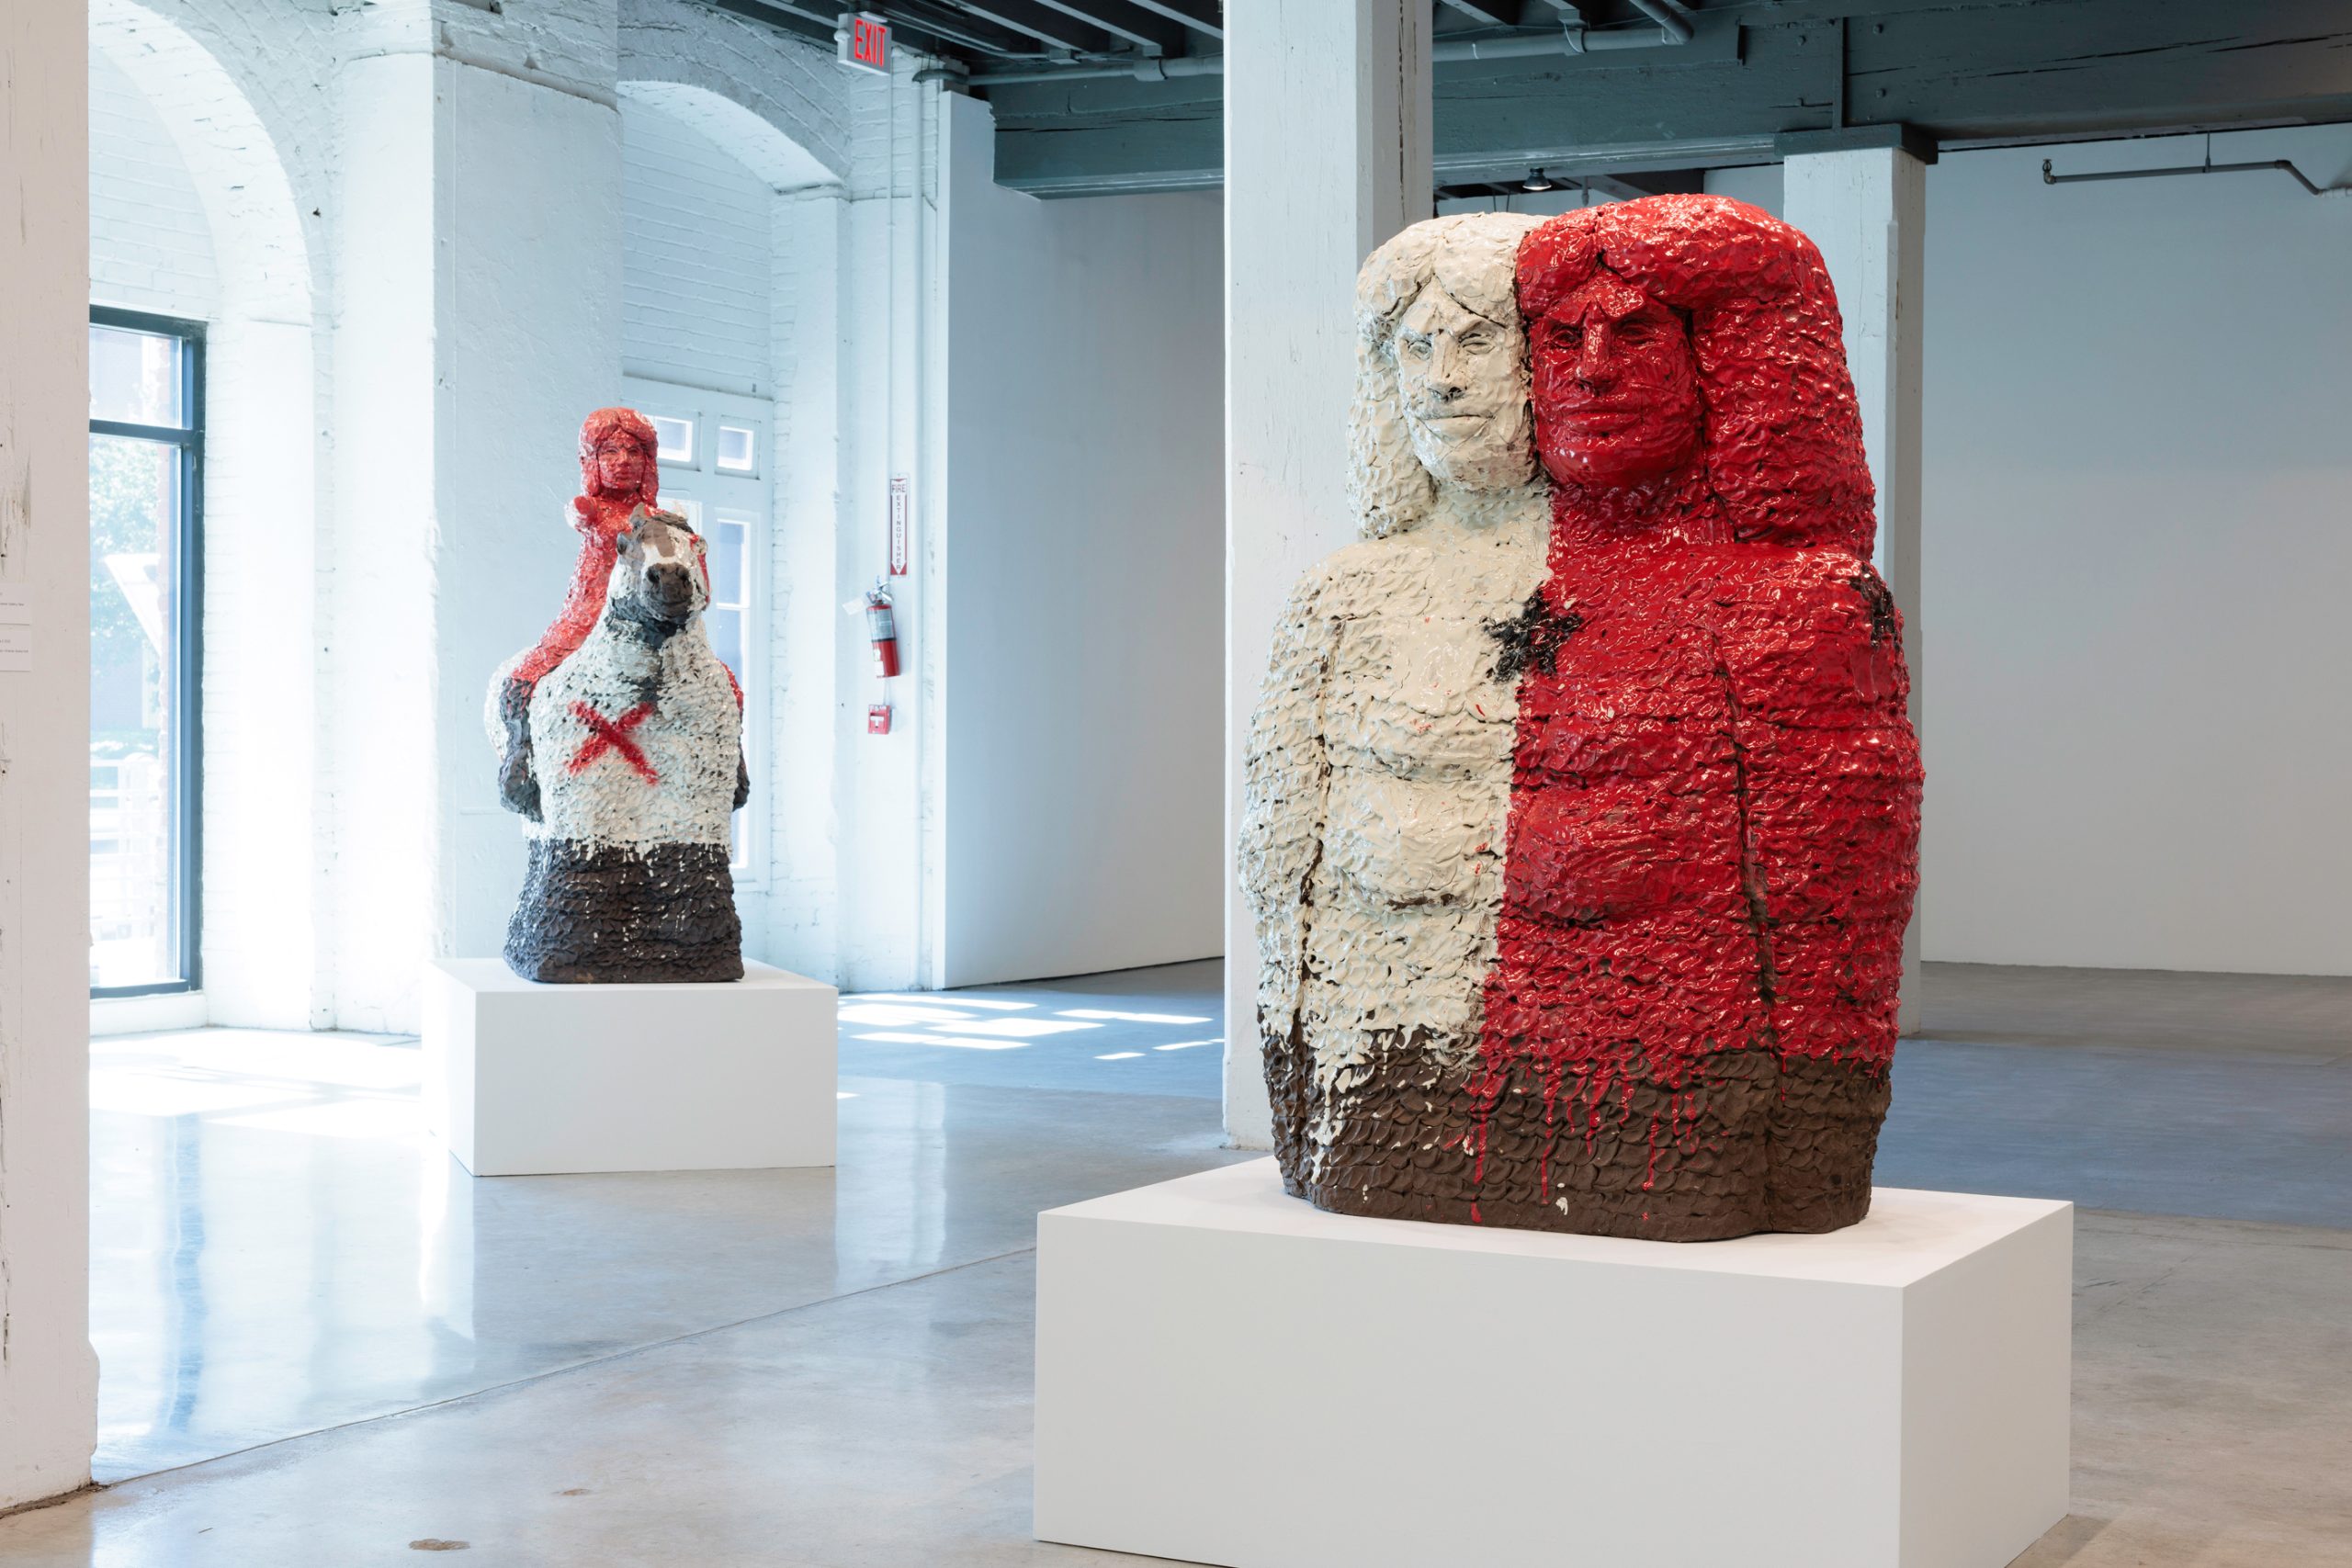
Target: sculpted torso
x=666, y=702
x=1417, y=730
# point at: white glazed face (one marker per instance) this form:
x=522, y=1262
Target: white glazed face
x=1462, y=381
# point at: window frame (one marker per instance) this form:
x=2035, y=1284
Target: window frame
x=701, y=481
x=187, y=590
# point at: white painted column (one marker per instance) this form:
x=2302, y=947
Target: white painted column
x=480, y=259
x=1868, y=212
x=886, y=798
x=803, y=888
x=1327, y=155
x=48, y=1375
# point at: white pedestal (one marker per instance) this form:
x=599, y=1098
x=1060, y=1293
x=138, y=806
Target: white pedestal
x=522, y=1078
x=1227, y=1375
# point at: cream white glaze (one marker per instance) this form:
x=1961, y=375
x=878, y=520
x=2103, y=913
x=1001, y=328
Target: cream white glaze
x=1378, y=781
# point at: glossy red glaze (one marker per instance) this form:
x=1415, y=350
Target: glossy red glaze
x=1715, y=789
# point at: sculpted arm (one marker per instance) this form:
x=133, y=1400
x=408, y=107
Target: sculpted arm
x=508, y=719
x=1834, y=782
x=1285, y=774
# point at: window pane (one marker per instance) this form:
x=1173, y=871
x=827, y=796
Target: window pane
x=135, y=377
x=735, y=447
x=673, y=439
x=726, y=629
x=135, y=745
x=728, y=544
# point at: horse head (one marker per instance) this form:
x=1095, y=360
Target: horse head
x=661, y=579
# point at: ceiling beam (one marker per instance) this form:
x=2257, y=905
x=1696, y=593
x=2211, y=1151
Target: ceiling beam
x=1965, y=70
x=1492, y=13
x=956, y=30
x=1148, y=31
x=1050, y=25
x=1204, y=16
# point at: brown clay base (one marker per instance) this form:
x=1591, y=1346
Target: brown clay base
x=1747, y=1143
x=608, y=915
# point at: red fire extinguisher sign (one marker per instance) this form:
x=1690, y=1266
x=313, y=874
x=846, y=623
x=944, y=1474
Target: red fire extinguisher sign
x=898, y=526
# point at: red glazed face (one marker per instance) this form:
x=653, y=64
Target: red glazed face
x=620, y=466
x=1616, y=387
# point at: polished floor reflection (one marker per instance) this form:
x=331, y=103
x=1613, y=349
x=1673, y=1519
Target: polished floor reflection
x=277, y=1249
x=352, y=1346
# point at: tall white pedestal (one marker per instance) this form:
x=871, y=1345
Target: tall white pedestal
x=1227, y=1375
x=522, y=1078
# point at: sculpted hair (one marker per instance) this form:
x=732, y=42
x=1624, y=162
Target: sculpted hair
x=1471, y=255
x=1783, y=434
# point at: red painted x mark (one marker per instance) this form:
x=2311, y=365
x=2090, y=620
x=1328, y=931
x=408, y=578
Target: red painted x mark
x=612, y=734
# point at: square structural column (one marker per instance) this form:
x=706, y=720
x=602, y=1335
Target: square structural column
x=1866, y=207
x=1226, y=1374
x=522, y=1078
x=49, y=1378
x=1327, y=155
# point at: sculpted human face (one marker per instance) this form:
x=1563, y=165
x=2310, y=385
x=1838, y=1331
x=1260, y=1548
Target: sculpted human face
x=1616, y=387
x=1462, y=381
x=620, y=465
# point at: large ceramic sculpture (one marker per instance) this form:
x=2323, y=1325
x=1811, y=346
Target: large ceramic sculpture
x=1581, y=829
x=619, y=736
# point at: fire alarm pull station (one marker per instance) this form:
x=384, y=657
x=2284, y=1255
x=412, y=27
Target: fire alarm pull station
x=877, y=718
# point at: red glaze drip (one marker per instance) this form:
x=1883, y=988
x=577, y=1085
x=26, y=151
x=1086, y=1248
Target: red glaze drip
x=1715, y=787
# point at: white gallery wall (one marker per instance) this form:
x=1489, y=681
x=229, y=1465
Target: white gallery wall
x=1084, y=571
x=2138, y=548
x=2137, y=543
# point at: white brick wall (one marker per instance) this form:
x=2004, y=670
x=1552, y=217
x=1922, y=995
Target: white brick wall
x=747, y=74
x=150, y=247
x=696, y=278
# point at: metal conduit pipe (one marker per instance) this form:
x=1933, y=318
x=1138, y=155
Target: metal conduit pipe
x=1164, y=68
x=1671, y=18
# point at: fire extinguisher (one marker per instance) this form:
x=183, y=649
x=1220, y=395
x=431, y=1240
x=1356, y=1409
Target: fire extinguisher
x=882, y=630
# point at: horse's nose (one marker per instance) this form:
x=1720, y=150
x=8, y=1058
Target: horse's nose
x=669, y=583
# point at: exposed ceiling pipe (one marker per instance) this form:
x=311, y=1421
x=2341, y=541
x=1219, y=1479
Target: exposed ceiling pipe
x=1577, y=40
x=2285, y=165
x=1670, y=17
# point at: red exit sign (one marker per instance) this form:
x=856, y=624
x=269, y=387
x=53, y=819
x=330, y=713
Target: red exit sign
x=863, y=42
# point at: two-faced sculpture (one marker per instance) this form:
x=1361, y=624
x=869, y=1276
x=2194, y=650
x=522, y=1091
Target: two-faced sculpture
x=1581, y=893
x=619, y=736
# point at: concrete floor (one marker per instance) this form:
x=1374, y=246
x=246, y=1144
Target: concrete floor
x=324, y=1343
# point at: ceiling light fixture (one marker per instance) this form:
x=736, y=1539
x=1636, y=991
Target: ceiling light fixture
x=1535, y=181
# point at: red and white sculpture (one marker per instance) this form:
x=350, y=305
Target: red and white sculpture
x=619, y=736
x=1581, y=819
